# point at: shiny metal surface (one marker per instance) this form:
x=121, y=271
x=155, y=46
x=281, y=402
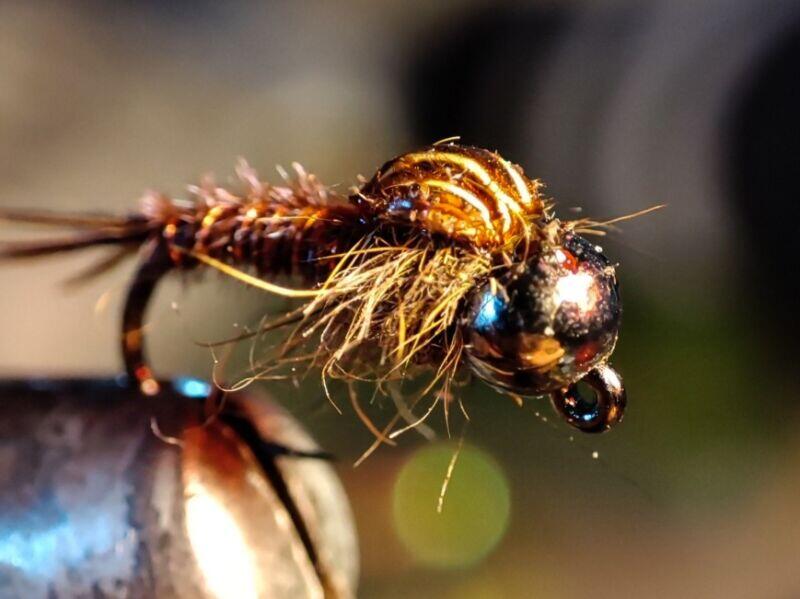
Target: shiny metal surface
x=94, y=504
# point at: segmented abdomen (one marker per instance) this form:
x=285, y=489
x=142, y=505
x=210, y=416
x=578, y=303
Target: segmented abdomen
x=271, y=237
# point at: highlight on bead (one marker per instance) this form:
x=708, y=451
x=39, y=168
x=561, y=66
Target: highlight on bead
x=448, y=262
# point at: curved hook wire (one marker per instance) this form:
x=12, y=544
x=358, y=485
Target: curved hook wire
x=600, y=415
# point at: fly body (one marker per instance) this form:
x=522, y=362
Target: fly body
x=448, y=259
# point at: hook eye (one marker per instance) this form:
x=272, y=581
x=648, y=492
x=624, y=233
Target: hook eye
x=600, y=414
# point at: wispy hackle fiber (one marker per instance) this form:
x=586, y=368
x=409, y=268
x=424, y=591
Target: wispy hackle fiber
x=385, y=309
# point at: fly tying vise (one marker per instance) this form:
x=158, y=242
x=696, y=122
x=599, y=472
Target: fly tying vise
x=447, y=259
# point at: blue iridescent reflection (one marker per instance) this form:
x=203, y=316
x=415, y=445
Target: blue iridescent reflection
x=489, y=313
x=191, y=387
x=67, y=544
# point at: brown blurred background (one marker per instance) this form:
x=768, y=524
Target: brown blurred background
x=616, y=106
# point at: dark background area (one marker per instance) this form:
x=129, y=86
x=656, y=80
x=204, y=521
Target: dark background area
x=616, y=106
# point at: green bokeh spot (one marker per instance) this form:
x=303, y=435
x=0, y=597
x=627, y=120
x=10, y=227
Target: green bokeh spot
x=475, y=511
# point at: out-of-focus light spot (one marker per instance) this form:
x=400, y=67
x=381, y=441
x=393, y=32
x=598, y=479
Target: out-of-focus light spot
x=192, y=387
x=149, y=387
x=576, y=289
x=219, y=546
x=475, y=511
